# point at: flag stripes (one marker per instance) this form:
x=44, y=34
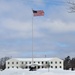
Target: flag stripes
x=38, y=13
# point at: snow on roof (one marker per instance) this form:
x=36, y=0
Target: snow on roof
x=35, y=59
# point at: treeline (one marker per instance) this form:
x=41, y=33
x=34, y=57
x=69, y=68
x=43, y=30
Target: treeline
x=69, y=63
x=3, y=62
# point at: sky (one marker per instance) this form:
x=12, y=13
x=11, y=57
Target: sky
x=53, y=33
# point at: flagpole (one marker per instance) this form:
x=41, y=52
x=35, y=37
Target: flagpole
x=36, y=13
x=32, y=38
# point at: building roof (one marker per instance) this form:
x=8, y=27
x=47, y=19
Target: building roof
x=34, y=59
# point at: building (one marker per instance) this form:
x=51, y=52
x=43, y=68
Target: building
x=25, y=63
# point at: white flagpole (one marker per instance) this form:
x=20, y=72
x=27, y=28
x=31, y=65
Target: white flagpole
x=32, y=39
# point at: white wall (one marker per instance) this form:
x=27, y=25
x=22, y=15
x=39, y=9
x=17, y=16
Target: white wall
x=56, y=63
x=12, y=65
x=19, y=65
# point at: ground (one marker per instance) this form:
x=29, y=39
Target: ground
x=38, y=72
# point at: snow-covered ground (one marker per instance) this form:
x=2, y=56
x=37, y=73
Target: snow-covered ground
x=38, y=72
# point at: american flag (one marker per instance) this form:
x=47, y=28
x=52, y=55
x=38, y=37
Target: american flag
x=38, y=13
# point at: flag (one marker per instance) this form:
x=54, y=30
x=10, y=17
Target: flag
x=38, y=13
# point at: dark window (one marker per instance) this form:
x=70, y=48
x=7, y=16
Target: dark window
x=51, y=66
x=42, y=66
x=46, y=62
x=34, y=61
x=17, y=67
x=42, y=62
x=51, y=62
x=8, y=67
x=38, y=67
x=60, y=62
x=16, y=62
x=12, y=62
x=8, y=63
x=26, y=67
x=38, y=62
x=55, y=66
x=26, y=62
x=22, y=62
x=60, y=67
x=55, y=62
x=12, y=66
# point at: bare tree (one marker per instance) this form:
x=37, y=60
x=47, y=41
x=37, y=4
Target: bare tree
x=71, y=4
x=3, y=62
x=23, y=66
x=47, y=65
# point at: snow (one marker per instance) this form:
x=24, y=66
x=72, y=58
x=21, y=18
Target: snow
x=38, y=72
x=35, y=59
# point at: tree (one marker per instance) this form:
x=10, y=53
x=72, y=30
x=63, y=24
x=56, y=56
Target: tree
x=3, y=62
x=71, y=6
x=73, y=64
x=47, y=65
x=23, y=66
x=67, y=63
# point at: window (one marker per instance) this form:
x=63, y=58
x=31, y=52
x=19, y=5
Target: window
x=42, y=62
x=26, y=67
x=16, y=62
x=8, y=67
x=60, y=62
x=55, y=62
x=22, y=62
x=38, y=62
x=17, y=67
x=51, y=66
x=12, y=66
x=34, y=61
x=51, y=62
x=42, y=66
x=8, y=63
x=46, y=62
x=12, y=62
x=60, y=67
x=26, y=62
x=55, y=66
x=38, y=67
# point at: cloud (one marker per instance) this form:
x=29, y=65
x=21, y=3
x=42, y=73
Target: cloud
x=38, y=2
x=59, y=26
x=54, y=33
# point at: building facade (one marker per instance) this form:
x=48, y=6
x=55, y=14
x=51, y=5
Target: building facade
x=25, y=63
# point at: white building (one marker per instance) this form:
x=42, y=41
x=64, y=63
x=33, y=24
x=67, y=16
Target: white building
x=55, y=63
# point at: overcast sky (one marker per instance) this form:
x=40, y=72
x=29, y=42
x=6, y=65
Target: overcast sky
x=54, y=33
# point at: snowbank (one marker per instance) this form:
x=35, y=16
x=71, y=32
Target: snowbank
x=38, y=72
